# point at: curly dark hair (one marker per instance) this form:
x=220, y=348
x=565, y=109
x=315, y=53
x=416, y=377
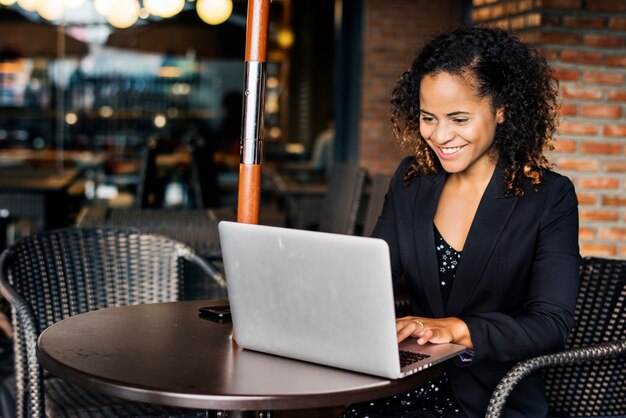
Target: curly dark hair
x=500, y=67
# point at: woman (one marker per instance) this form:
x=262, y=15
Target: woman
x=484, y=233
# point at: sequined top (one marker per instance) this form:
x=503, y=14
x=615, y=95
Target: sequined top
x=447, y=260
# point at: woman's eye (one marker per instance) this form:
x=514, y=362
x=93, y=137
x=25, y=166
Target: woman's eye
x=460, y=121
x=427, y=119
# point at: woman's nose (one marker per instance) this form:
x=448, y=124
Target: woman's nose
x=442, y=134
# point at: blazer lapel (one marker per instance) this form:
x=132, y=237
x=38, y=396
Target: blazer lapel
x=493, y=212
x=426, y=201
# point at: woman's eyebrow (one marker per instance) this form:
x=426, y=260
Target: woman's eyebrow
x=451, y=114
x=457, y=113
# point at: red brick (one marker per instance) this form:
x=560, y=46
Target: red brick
x=585, y=93
x=603, y=41
x=612, y=234
x=614, y=130
x=564, y=146
x=580, y=57
x=564, y=74
x=533, y=19
x=613, y=200
x=586, y=198
x=561, y=4
x=575, y=128
x=618, y=23
x=586, y=234
x=551, y=20
x=548, y=54
x=601, y=111
x=560, y=38
x=578, y=164
x=583, y=22
x=568, y=109
x=615, y=61
x=616, y=95
x=604, y=78
x=597, y=250
x=599, y=183
x=615, y=167
x=606, y=6
x=599, y=215
x=480, y=14
x=601, y=148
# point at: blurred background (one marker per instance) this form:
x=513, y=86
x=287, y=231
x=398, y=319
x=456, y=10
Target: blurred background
x=127, y=103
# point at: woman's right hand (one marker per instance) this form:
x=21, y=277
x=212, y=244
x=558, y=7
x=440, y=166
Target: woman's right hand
x=434, y=330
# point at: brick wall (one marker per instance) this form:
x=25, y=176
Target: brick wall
x=393, y=30
x=585, y=42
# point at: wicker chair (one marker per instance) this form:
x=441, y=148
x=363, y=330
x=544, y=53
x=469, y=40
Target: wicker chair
x=587, y=378
x=53, y=275
x=340, y=207
x=378, y=190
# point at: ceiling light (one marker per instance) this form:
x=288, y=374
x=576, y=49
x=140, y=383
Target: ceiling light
x=29, y=5
x=123, y=13
x=164, y=8
x=214, y=12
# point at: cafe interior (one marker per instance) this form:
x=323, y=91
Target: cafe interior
x=121, y=124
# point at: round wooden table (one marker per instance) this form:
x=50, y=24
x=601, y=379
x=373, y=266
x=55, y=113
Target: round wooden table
x=166, y=353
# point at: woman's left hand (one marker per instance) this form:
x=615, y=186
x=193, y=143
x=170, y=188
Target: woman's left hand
x=434, y=330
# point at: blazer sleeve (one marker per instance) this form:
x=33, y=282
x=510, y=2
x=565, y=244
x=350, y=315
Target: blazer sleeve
x=386, y=225
x=547, y=315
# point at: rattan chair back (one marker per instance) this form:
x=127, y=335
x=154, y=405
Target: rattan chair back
x=595, y=388
x=588, y=377
x=56, y=274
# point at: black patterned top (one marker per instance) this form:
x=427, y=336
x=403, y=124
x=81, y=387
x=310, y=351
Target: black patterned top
x=448, y=260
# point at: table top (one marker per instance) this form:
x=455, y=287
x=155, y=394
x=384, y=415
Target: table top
x=166, y=353
x=35, y=180
x=14, y=157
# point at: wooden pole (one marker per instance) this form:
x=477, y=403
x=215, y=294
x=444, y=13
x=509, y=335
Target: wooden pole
x=251, y=148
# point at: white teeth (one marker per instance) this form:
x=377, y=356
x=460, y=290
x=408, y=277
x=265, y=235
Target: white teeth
x=451, y=150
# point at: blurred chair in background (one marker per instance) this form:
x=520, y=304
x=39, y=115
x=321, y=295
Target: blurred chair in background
x=376, y=198
x=340, y=206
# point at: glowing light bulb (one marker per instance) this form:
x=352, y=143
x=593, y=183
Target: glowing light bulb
x=7, y=2
x=214, y=12
x=103, y=7
x=29, y=5
x=50, y=9
x=123, y=13
x=285, y=38
x=164, y=8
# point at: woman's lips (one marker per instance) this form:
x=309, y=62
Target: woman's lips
x=450, y=152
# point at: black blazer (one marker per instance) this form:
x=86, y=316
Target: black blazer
x=516, y=283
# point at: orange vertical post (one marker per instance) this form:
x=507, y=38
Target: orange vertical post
x=251, y=148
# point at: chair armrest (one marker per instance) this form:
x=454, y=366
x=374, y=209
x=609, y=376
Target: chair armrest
x=188, y=254
x=569, y=356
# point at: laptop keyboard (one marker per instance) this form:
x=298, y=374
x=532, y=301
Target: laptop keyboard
x=408, y=357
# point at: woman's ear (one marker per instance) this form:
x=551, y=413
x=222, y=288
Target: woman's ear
x=500, y=115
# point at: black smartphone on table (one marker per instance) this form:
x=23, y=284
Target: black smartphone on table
x=221, y=312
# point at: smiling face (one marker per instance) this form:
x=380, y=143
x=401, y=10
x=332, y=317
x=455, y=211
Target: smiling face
x=458, y=125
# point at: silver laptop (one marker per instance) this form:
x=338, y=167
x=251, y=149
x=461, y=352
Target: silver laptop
x=318, y=297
